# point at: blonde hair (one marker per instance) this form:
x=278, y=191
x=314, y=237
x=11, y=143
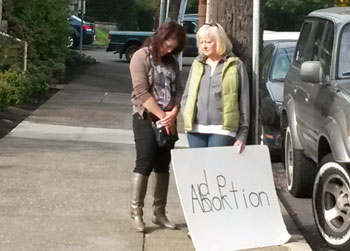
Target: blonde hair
x=217, y=33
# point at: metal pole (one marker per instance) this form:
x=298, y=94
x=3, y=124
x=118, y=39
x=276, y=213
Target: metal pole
x=81, y=27
x=182, y=11
x=25, y=56
x=167, y=9
x=207, y=14
x=180, y=21
x=161, y=12
x=255, y=64
x=0, y=14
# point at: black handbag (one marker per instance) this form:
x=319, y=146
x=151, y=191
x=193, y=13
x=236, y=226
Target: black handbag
x=163, y=139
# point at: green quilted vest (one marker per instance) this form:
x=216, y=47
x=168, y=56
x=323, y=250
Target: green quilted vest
x=229, y=95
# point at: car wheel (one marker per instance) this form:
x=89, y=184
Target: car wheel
x=300, y=170
x=331, y=203
x=261, y=134
x=72, y=41
x=130, y=50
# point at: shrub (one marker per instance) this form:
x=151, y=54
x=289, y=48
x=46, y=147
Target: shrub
x=44, y=25
x=12, y=87
x=17, y=87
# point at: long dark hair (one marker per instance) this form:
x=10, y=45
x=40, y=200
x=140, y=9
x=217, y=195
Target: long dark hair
x=164, y=32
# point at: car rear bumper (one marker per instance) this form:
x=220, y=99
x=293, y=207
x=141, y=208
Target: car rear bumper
x=118, y=48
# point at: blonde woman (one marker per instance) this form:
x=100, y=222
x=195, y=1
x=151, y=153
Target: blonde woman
x=215, y=103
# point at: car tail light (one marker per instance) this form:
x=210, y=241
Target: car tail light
x=87, y=27
x=109, y=38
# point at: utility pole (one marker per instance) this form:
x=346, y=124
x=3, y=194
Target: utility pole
x=82, y=11
x=202, y=9
x=256, y=71
x=161, y=12
x=236, y=17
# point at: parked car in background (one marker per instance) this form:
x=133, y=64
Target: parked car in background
x=89, y=33
x=127, y=42
x=276, y=59
x=279, y=36
x=315, y=122
x=277, y=48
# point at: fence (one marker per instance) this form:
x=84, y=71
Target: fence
x=25, y=48
x=106, y=26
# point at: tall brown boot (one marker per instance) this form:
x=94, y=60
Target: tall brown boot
x=139, y=188
x=161, y=185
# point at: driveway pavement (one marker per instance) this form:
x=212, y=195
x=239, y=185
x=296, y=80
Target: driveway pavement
x=65, y=172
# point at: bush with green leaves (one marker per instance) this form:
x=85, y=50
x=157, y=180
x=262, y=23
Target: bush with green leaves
x=44, y=25
x=292, y=11
x=17, y=87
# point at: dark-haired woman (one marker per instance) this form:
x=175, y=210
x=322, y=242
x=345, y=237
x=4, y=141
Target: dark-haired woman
x=156, y=95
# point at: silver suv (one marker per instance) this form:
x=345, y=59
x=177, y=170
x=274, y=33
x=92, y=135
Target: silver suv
x=315, y=122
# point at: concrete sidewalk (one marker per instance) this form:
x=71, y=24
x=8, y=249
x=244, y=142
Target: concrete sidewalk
x=65, y=177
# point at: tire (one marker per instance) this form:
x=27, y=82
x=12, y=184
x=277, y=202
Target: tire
x=130, y=50
x=261, y=139
x=331, y=194
x=300, y=170
x=72, y=41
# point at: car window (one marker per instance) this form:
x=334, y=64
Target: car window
x=267, y=59
x=316, y=40
x=190, y=27
x=301, y=47
x=281, y=64
x=326, y=49
x=344, y=54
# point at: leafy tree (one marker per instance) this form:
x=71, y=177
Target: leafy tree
x=192, y=6
x=292, y=11
x=342, y=3
x=148, y=14
x=130, y=15
x=120, y=11
x=44, y=26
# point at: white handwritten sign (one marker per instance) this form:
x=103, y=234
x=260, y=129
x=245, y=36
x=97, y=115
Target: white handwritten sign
x=229, y=199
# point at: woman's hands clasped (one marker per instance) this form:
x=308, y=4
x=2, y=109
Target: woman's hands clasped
x=169, y=121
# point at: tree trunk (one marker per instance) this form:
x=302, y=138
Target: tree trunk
x=236, y=17
x=202, y=9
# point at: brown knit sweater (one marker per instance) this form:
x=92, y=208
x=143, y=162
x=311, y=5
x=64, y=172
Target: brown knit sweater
x=142, y=78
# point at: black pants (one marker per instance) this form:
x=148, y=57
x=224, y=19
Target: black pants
x=149, y=157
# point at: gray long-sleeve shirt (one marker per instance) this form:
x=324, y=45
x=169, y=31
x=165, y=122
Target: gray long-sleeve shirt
x=209, y=102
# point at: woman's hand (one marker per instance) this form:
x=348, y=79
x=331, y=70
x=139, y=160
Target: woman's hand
x=170, y=118
x=170, y=129
x=240, y=145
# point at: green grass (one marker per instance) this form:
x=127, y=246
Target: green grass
x=101, y=37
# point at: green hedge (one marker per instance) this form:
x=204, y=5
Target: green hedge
x=17, y=87
x=44, y=25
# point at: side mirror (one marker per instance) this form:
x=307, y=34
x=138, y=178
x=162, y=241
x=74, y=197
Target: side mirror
x=312, y=72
